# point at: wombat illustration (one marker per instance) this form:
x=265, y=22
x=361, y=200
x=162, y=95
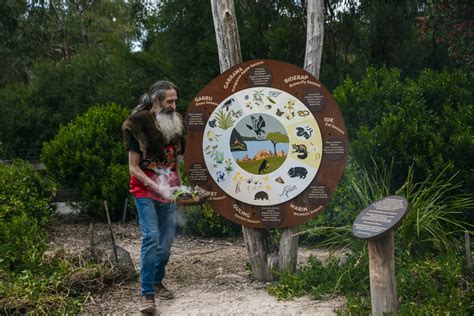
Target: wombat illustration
x=297, y=172
x=261, y=195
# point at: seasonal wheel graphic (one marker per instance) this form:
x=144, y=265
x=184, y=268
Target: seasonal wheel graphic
x=268, y=141
x=262, y=146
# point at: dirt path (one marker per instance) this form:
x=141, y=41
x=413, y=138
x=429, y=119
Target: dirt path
x=208, y=277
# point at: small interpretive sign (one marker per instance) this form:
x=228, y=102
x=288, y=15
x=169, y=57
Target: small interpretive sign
x=380, y=217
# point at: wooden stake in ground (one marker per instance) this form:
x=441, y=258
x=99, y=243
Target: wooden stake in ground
x=111, y=231
x=124, y=213
x=92, y=241
x=258, y=242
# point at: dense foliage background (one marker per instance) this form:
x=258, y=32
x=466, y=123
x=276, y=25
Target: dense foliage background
x=401, y=72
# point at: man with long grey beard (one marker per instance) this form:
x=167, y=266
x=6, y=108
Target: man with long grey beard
x=154, y=135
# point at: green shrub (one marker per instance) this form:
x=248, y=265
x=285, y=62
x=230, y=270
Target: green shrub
x=24, y=215
x=427, y=122
x=88, y=155
x=57, y=285
x=335, y=277
x=433, y=285
x=427, y=253
x=425, y=286
x=431, y=225
x=202, y=221
x=41, y=292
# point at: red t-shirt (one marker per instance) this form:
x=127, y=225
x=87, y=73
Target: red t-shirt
x=165, y=173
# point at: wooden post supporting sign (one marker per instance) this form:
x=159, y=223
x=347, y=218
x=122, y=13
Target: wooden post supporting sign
x=383, y=288
x=376, y=224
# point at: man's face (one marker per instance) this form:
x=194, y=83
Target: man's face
x=168, y=105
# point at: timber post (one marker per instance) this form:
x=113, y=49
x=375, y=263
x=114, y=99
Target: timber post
x=383, y=287
x=376, y=224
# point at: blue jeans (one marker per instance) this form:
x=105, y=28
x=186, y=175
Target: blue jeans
x=158, y=227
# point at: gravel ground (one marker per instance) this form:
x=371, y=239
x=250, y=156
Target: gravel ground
x=207, y=276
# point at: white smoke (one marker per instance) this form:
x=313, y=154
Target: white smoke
x=164, y=178
x=181, y=219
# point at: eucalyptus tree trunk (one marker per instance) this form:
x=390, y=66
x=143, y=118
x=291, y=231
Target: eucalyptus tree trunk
x=312, y=63
x=258, y=241
x=227, y=33
x=314, y=37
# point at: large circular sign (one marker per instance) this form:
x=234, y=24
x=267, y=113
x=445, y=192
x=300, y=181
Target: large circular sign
x=267, y=139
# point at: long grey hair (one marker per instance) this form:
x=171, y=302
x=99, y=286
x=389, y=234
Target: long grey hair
x=157, y=92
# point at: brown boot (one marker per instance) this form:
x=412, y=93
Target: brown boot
x=147, y=304
x=162, y=292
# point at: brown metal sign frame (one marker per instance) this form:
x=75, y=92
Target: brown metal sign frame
x=310, y=94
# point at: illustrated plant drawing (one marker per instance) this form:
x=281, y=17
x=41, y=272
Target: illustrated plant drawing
x=225, y=120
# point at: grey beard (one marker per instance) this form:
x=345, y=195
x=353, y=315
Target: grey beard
x=171, y=125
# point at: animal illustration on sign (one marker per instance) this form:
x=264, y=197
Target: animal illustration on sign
x=303, y=113
x=274, y=93
x=220, y=176
x=263, y=166
x=301, y=150
x=228, y=103
x=299, y=172
x=304, y=131
x=257, y=126
x=236, y=114
x=212, y=123
x=288, y=189
x=261, y=195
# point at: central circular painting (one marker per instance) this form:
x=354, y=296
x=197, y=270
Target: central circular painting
x=255, y=150
x=262, y=146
